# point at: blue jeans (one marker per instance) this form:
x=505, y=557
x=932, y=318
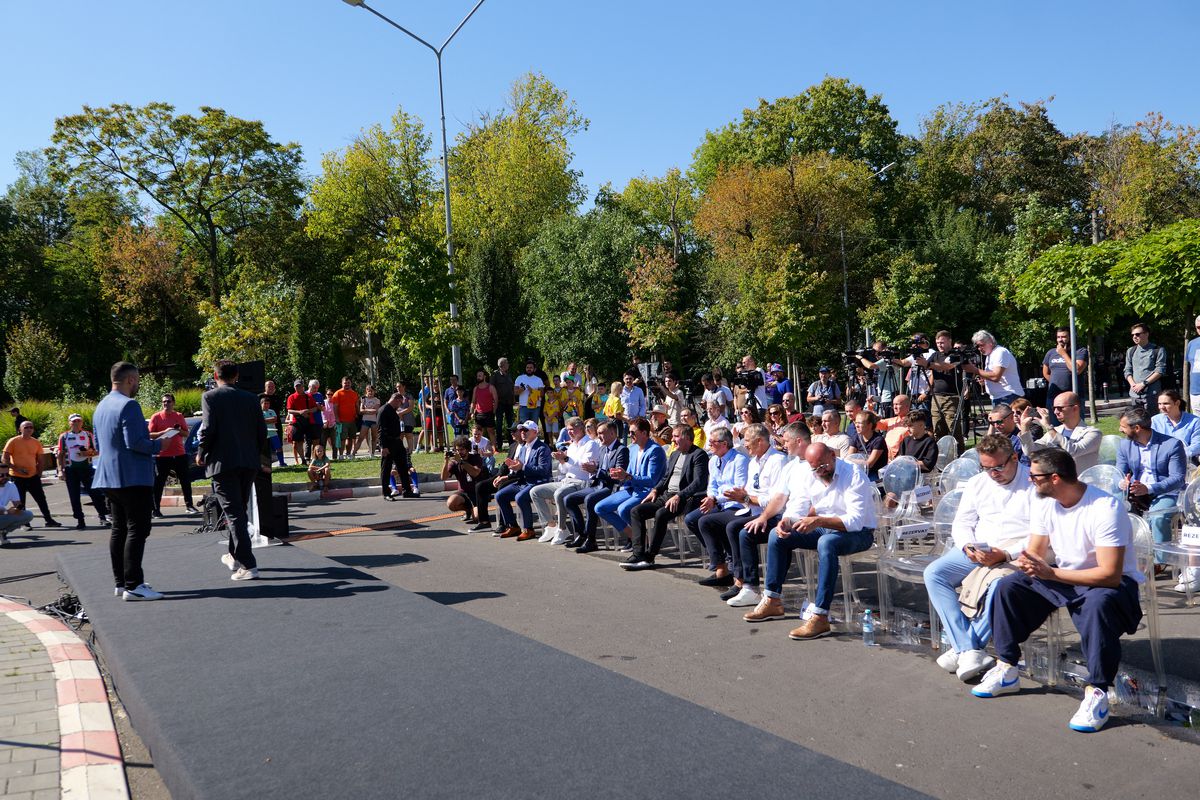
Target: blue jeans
x=829, y=545
x=748, y=546
x=505, y=497
x=942, y=577
x=615, y=508
x=526, y=414
x=1160, y=523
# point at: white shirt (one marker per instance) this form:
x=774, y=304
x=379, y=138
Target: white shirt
x=719, y=395
x=480, y=445
x=527, y=382
x=995, y=514
x=783, y=480
x=1010, y=381
x=579, y=453
x=711, y=426
x=849, y=496
x=1097, y=520
x=762, y=475
x=75, y=443
x=9, y=494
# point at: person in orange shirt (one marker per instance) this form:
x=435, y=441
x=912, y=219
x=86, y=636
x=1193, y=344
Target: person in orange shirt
x=23, y=454
x=346, y=401
x=897, y=427
x=172, y=458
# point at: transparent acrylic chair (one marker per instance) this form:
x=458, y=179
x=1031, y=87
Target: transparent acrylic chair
x=947, y=452
x=971, y=453
x=1108, y=448
x=1183, y=557
x=957, y=472
x=846, y=568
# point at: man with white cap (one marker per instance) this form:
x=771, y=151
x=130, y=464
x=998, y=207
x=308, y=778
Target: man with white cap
x=76, y=448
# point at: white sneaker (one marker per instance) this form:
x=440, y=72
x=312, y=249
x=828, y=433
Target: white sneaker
x=231, y=562
x=748, y=596
x=548, y=534
x=1189, y=580
x=1000, y=679
x=1093, y=711
x=972, y=664
x=948, y=661
x=563, y=537
x=143, y=592
x=243, y=574
x=119, y=590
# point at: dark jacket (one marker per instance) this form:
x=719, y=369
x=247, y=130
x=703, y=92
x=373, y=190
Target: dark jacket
x=693, y=481
x=615, y=456
x=389, y=424
x=232, y=434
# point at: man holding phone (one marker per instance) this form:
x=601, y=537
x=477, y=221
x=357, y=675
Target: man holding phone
x=171, y=426
x=990, y=529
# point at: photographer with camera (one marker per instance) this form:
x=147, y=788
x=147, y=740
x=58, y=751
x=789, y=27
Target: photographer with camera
x=466, y=467
x=754, y=381
x=883, y=362
x=946, y=386
x=999, y=372
x=824, y=393
x=918, y=382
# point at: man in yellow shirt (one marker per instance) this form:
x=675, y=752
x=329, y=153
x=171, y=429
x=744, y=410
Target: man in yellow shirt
x=23, y=454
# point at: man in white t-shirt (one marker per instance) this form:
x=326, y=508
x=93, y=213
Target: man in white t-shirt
x=1096, y=579
x=549, y=498
x=12, y=511
x=531, y=389
x=999, y=372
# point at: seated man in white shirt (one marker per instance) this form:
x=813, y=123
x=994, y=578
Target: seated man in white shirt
x=990, y=529
x=831, y=433
x=12, y=511
x=551, y=497
x=830, y=509
x=1096, y=579
x=1081, y=441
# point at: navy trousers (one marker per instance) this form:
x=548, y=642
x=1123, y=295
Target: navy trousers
x=1021, y=604
x=585, y=500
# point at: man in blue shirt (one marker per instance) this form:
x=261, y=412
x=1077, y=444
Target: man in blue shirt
x=727, y=471
x=1192, y=364
x=1155, y=469
x=125, y=471
x=647, y=464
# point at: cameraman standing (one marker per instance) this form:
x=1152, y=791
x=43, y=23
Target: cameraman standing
x=945, y=385
x=999, y=372
x=886, y=384
x=917, y=383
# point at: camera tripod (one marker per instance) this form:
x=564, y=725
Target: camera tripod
x=971, y=412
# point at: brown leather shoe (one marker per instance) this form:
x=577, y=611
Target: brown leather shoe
x=510, y=532
x=814, y=627
x=768, y=608
x=527, y=534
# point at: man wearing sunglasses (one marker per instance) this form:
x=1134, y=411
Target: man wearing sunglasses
x=1095, y=578
x=1002, y=421
x=1081, y=441
x=990, y=529
x=1145, y=365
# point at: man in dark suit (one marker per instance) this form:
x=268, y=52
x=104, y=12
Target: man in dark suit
x=486, y=490
x=528, y=466
x=232, y=437
x=125, y=471
x=681, y=489
x=614, y=456
x=391, y=448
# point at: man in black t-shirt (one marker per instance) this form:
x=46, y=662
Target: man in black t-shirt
x=465, y=466
x=946, y=386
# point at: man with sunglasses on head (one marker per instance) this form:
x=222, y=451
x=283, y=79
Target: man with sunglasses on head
x=1095, y=578
x=990, y=529
x=1002, y=421
x=1081, y=441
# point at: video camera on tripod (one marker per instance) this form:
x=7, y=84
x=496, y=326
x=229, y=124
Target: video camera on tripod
x=958, y=356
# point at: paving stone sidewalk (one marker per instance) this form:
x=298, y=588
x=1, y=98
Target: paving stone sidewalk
x=29, y=762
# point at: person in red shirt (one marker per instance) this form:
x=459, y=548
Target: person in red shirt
x=300, y=407
x=345, y=400
x=171, y=458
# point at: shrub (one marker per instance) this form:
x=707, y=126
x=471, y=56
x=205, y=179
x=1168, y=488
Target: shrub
x=36, y=361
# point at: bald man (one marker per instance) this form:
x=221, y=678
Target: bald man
x=1065, y=430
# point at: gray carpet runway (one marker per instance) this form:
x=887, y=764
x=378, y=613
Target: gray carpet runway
x=320, y=681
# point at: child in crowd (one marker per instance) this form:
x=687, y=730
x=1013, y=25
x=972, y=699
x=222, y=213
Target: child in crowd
x=552, y=409
x=270, y=418
x=329, y=421
x=572, y=399
x=320, y=473
x=459, y=409
x=919, y=444
x=480, y=444
x=612, y=403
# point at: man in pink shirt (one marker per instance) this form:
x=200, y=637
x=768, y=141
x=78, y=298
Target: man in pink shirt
x=171, y=458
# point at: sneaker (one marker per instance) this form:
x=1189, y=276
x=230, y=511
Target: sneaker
x=729, y=593
x=4, y=543
x=1000, y=679
x=1093, y=711
x=143, y=592
x=972, y=664
x=156, y=514
x=948, y=661
x=231, y=562
x=243, y=574
x=627, y=547
x=548, y=534
x=104, y=520
x=814, y=627
x=192, y=511
x=746, y=596
x=637, y=561
x=119, y=590
x=768, y=608
x=1189, y=580
x=563, y=537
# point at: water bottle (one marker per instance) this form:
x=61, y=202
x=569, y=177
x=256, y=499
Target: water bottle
x=868, y=628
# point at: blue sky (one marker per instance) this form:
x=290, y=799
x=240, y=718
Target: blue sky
x=651, y=76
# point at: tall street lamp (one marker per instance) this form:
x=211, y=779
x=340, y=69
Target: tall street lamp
x=455, y=351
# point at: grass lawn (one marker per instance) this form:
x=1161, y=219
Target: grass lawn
x=426, y=463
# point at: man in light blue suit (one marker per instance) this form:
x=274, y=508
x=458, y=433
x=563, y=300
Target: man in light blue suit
x=647, y=465
x=125, y=471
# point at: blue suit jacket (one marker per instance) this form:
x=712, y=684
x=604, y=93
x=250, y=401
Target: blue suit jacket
x=537, y=465
x=126, y=449
x=1168, y=458
x=646, y=468
x=615, y=456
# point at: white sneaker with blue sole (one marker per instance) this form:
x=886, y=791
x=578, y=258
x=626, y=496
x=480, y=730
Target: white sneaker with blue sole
x=1000, y=679
x=1093, y=711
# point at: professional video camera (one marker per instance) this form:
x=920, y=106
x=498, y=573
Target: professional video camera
x=748, y=379
x=965, y=355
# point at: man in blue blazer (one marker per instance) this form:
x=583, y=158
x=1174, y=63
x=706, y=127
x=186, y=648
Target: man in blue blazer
x=1155, y=469
x=125, y=471
x=614, y=456
x=528, y=466
x=647, y=465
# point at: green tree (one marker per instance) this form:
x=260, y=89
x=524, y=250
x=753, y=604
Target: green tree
x=665, y=207
x=252, y=322
x=493, y=308
x=35, y=361
x=215, y=174
x=1158, y=274
x=650, y=313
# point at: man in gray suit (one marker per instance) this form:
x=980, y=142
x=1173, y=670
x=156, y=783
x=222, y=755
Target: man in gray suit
x=232, y=437
x=125, y=471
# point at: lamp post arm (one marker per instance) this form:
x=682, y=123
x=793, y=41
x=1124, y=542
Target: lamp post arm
x=454, y=33
x=403, y=29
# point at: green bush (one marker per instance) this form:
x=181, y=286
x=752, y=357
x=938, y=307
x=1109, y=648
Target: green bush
x=36, y=361
x=44, y=416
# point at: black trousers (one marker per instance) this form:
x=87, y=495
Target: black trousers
x=33, y=486
x=397, y=456
x=163, y=467
x=130, y=507
x=712, y=527
x=484, y=492
x=79, y=479
x=655, y=510
x=232, y=489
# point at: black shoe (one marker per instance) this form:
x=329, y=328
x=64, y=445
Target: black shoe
x=79, y=526
x=482, y=525
x=469, y=519
x=713, y=580
x=577, y=542
x=587, y=547
x=391, y=496
x=156, y=514
x=731, y=592
x=410, y=495
x=53, y=523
